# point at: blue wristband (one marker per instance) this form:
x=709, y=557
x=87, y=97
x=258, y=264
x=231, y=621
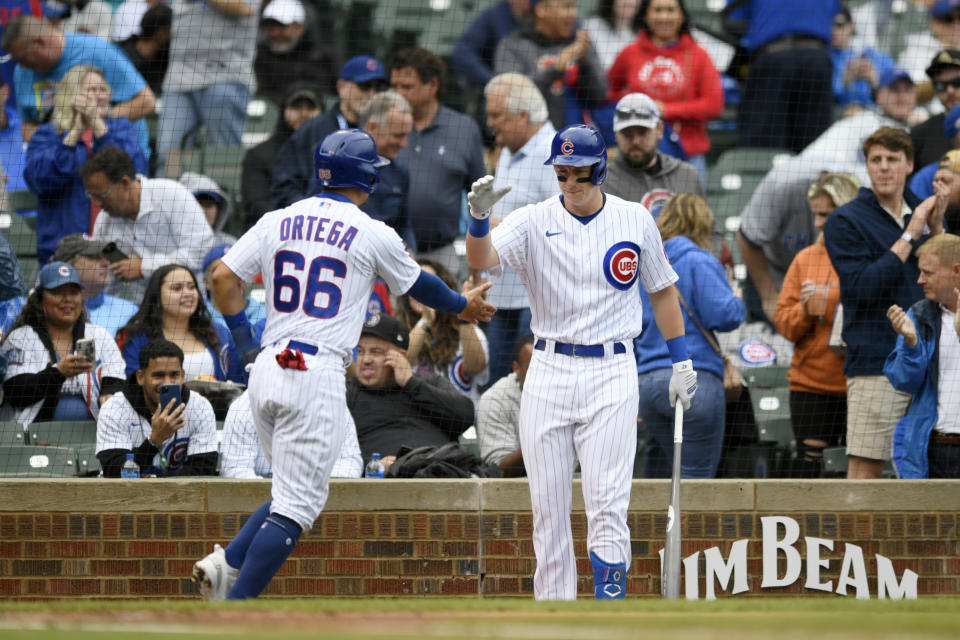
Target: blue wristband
x=678, y=349
x=237, y=320
x=479, y=228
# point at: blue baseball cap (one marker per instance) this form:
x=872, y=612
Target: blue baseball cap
x=951, y=123
x=893, y=75
x=57, y=274
x=215, y=254
x=362, y=69
x=942, y=8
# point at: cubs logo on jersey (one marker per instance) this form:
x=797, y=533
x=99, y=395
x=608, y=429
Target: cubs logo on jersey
x=621, y=265
x=177, y=453
x=459, y=377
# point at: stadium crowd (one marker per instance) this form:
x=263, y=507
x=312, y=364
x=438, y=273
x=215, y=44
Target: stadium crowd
x=824, y=251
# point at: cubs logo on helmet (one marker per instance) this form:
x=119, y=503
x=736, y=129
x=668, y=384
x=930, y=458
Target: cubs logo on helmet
x=566, y=148
x=621, y=265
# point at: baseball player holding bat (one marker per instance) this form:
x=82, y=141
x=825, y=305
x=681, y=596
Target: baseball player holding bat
x=319, y=258
x=579, y=256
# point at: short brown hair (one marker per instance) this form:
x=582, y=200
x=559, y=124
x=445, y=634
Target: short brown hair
x=890, y=138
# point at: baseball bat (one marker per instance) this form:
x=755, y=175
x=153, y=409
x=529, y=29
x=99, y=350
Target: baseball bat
x=670, y=582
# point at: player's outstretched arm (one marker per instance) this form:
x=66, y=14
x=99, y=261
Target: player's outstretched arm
x=482, y=197
x=477, y=309
x=431, y=291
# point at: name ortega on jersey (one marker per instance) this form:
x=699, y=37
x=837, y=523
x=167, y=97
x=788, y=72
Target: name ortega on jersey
x=313, y=228
x=620, y=265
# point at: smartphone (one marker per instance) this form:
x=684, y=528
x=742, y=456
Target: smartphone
x=112, y=253
x=86, y=347
x=168, y=391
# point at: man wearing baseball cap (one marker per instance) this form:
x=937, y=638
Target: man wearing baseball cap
x=86, y=256
x=394, y=408
x=291, y=53
x=922, y=181
x=293, y=178
x=929, y=145
x=640, y=172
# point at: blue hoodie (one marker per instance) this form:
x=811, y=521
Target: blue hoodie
x=706, y=291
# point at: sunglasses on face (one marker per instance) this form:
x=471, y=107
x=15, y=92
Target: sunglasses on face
x=950, y=18
x=941, y=85
x=641, y=114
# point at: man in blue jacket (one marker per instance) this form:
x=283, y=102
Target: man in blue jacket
x=870, y=241
x=926, y=363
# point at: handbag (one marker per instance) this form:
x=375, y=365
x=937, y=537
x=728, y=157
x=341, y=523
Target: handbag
x=835, y=341
x=732, y=380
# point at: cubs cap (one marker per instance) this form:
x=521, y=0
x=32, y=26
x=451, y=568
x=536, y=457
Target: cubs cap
x=57, y=274
x=285, y=12
x=388, y=328
x=362, y=69
x=215, y=254
x=78, y=244
x=942, y=8
x=893, y=75
x=946, y=59
x=636, y=110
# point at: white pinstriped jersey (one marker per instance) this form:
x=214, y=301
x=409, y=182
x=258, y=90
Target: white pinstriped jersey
x=581, y=277
x=319, y=258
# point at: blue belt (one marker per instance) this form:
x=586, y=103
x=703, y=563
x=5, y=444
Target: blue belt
x=580, y=350
x=302, y=347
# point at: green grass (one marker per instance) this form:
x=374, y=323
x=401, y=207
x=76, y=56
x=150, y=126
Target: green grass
x=465, y=619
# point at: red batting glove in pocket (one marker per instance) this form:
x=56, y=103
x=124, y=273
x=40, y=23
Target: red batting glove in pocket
x=288, y=359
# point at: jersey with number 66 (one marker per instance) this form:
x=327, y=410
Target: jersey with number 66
x=319, y=258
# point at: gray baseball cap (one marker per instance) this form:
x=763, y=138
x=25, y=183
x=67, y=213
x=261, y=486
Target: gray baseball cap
x=635, y=110
x=78, y=244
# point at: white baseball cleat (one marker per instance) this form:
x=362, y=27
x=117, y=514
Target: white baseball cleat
x=214, y=575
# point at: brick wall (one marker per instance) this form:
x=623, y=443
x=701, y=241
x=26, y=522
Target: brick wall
x=101, y=538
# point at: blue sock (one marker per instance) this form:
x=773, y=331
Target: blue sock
x=609, y=580
x=236, y=551
x=270, y=548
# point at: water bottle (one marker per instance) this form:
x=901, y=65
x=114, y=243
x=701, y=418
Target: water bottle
x=129, y=468
x=374, y=467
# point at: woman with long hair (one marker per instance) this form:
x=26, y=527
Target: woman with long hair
x=47, y=376
x=665, y=63
x=613, y=28
x=685, y=224
x=172, y=309
x=79, y=126
x=441, y=343
x=805, y=314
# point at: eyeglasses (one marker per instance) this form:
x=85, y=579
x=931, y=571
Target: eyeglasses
x=101, y=196
x=636, y=114
x=941, y=85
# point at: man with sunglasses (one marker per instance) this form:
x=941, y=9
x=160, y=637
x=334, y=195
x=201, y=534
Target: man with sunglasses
x=943, y=33
x=928, y=140
x=293, y=179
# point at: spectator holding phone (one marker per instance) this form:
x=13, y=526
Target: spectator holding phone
x=172, y=309
x=79, y=127
x=46, y=378
x=170, y=431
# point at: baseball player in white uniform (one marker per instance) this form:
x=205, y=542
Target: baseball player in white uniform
x=580, y=255
x=319, y=258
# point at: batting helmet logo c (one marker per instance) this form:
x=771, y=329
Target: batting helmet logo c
x=566, y=148
x=621, y=265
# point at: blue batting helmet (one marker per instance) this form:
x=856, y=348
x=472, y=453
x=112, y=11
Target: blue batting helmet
x=580, y=145
x=348, y=158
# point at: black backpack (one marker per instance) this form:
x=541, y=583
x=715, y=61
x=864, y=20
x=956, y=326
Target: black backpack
x=446, y=461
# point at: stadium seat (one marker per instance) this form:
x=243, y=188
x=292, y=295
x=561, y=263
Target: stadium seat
x=37, y=462
x=12, y=433
x=262, y=115
x=468, y=440
x=87, y=461
x=771, y=407
x=771, y=376
x=63, y=433
x=835, y=462
x=752, y=161
x=22, y=237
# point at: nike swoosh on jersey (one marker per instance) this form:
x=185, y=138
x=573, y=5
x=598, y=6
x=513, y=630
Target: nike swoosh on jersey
x=555, y=233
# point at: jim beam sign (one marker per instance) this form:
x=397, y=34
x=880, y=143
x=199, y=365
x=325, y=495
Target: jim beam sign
x=853, y=568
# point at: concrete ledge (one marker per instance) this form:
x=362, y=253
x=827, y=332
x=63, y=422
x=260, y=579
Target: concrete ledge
x=238, y=496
